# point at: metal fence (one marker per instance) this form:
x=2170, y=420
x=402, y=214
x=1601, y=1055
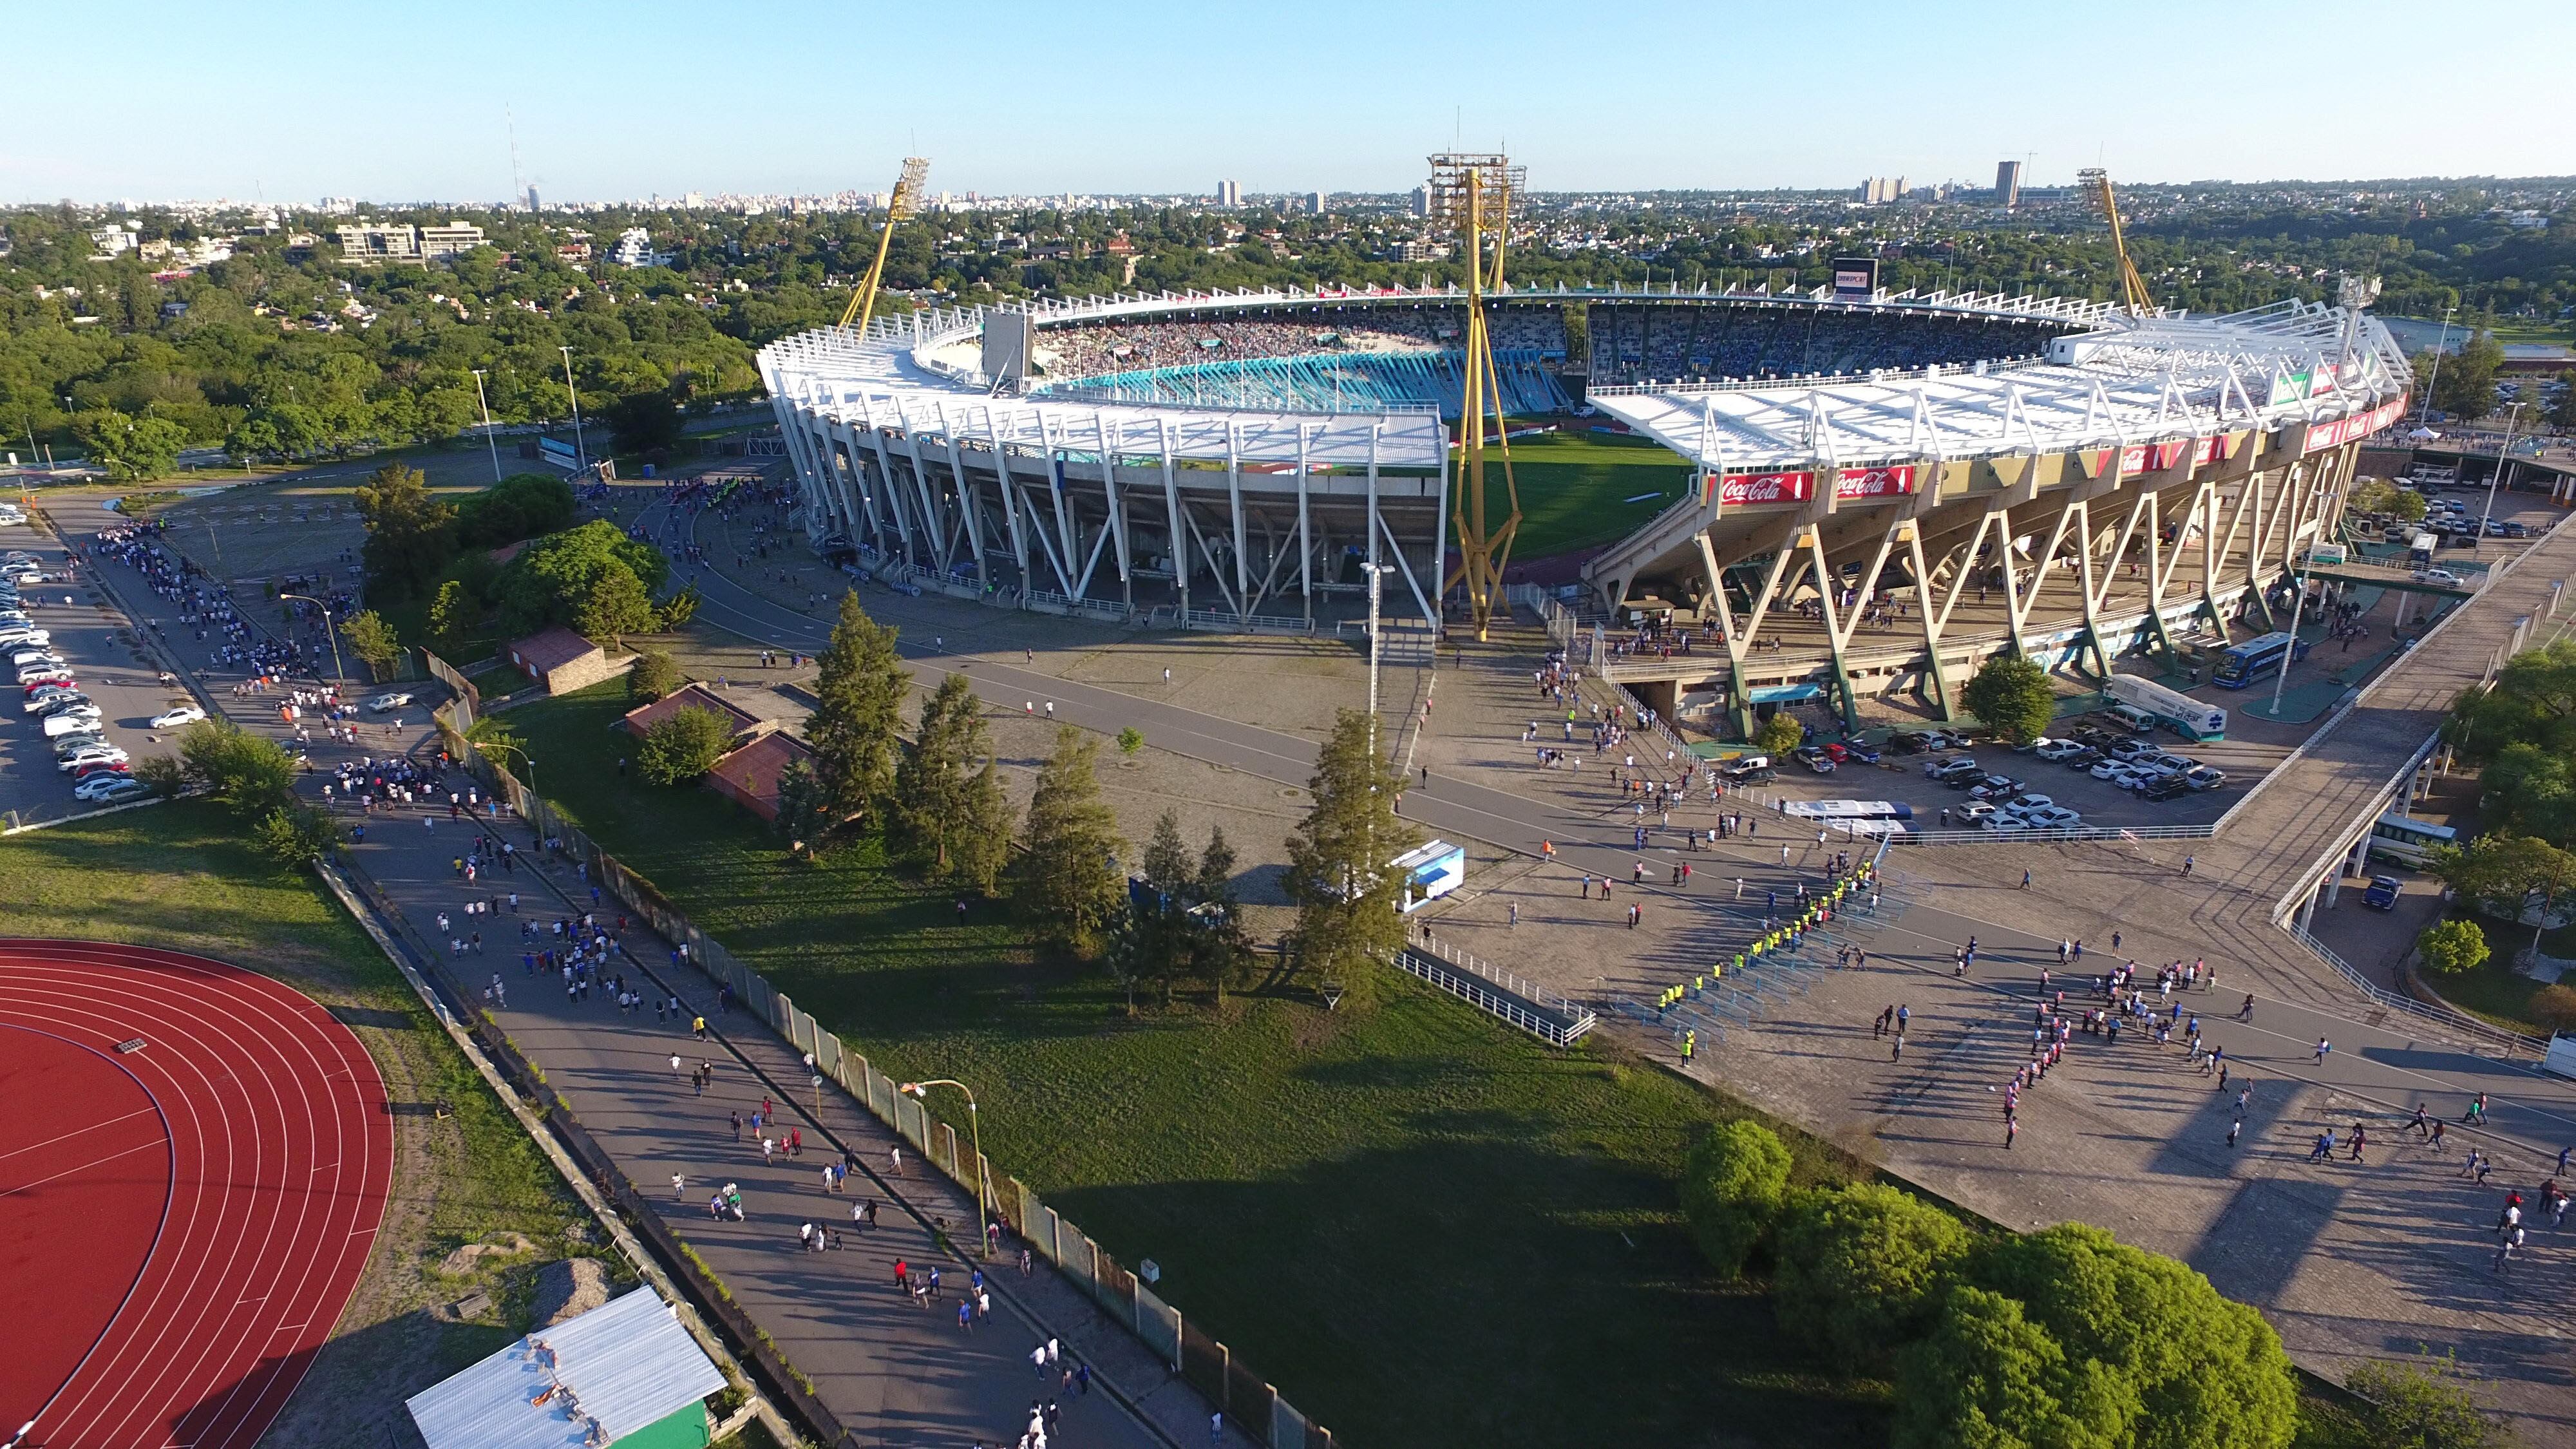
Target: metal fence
x=1252, y=1403
x=1499, y=993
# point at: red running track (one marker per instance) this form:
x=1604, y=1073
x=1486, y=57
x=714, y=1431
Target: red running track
x=181, y=1224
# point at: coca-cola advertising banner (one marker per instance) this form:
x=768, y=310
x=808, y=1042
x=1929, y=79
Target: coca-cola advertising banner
x=1736, y=489
x=1874, y=482
x=2354, y=428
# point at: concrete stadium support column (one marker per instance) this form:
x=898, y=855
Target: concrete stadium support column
x=1009, y=488
x=965, y=499
x=1841, y=622
x=930, y=510
x=885, y=479
x=1305, y=537
x=1234, y=499
x=1067, y=544
x=1739, y=642
x=1117, y=512
x=2219, y=546
x=1174, y=538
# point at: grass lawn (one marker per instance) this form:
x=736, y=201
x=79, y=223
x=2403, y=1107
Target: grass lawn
x=1424, y=1227
x=2494, y=989
x=176, y=876
x=1575, y=488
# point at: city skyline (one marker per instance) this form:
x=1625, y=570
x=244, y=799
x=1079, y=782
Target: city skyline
x=1348, y=100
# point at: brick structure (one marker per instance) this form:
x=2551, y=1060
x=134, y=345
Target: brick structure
x=560, y=660
x=749, y=776
x=741, y=722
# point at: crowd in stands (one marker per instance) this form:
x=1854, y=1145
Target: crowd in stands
x=1146, y=344
x=1641, y=342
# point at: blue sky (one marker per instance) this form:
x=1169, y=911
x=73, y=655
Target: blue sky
x=155, y=100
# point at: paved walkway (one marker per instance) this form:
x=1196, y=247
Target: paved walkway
x=892, y=1372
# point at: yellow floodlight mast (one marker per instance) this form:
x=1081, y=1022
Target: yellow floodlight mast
x=1473, y=192
x=899, y=207
x=2133, y=289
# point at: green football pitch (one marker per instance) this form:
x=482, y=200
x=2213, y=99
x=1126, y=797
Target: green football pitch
x=1582, y=489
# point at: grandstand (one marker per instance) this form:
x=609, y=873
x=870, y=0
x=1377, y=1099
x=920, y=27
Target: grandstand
x=1238, y=459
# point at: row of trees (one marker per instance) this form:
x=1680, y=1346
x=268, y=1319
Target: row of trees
x=251, y=777
x=2060, y=1339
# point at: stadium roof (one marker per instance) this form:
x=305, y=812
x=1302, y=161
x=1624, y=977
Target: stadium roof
x=589, y=1381
x=2125, y=382
x=2116, y=380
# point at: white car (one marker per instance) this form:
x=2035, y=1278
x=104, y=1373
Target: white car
x=2023, y=806
x=2054, y=817
x=54, y=699
x=170, y=719
x=390, y=699
x=2001, y=822
x=77, y=741
x=2058, y=749
x=109, y=788
x=101, y=753
x=78, y=720
x=25, y=637
x=2439, y=578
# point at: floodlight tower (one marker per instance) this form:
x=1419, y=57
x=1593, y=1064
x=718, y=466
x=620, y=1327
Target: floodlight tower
x=1472, y=194
x=900, y=207
x=2133, y=289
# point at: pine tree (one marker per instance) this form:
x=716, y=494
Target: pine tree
x=1157, y=948
x=802, y=813
x=1222, y=951
x=953, y=821
x=1348, y=902
x=858, y=701
x=1067, y=885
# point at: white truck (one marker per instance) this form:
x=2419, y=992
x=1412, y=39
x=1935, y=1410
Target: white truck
x=2171, y=708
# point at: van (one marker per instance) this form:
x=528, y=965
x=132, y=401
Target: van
x=58, y=725
x=2132, y=717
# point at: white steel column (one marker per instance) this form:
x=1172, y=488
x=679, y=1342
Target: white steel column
x=1173, y=539
x=1234, y=492
x=1117, y=518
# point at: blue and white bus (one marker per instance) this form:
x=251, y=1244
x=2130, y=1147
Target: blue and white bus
x=2411, y=841
x=2256, y=659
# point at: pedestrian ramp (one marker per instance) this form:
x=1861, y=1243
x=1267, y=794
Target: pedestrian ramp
x=1495, y=991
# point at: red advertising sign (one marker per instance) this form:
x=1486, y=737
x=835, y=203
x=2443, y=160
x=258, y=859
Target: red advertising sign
x=2352, y=429
x=1874, y=482
x=1742, y=488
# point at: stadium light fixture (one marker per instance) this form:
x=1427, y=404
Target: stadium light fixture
x=902, y=206
x=1471, y=194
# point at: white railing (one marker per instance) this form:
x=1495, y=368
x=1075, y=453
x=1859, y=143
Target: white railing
x=2018, y=837
x=1223, y=622
x=1497, y=991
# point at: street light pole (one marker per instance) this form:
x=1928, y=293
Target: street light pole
x=487, y=425
x=580, y=454
x=920, y=1091
x=2503, y=457
x=339, y=676
x=1377, y=582
x=2439, y=348
x=2281, y=681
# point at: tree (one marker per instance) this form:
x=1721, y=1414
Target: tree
x=1986, y=1377
x=677, y=610
x=2562, y=409
x=295, y=835
x=2410, y=1407
x=2011, y=693
x=802, y=814
x=1349, y=903
x=2509, y=875
x=2466, y=387
x=1779, y=734
x=948, y=802
x=2378, y=495
x=411, y=533
x=858, y=694
x=1862, y=1269
x=452, y=615
x=644, y=422
x=2554, y=1007
x=2451, y=947
x=2187, y=1367
x=372, y=640
x=682, y=745
x=1130, y=740
x=130, y=447
x=558, y=579
x=1067, y=884
x=1732, y=1186
x=247, y=773
x=1223, y=951
x=614, y=605
x=1154, y=948
x=655, y=676
x=523, y=505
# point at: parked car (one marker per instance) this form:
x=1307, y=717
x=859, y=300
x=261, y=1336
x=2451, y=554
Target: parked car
x=1962, y=768
x=2027, y=803
x=2382, y=894
x=2083, y=759
x=110, y=790
x=2000, y=822
x=176, y=716
x=1909, y=742
x=1997, y=788
x=1851, y=750
x=91, y=754
x=391, y=699
x=1972, y=812
x=2439, y=578
x=94, y=768
x=2163, y=787
x=2053, y=817
x=1815, y=758
x=2058, y=749
x=2132, y=749
x=2204, y=777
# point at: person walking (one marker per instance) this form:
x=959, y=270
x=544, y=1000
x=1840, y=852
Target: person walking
x=2323, y=1046
x=2233, y=1129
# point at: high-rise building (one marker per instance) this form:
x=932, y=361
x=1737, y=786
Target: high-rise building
x=2008, y=183
x=1422, y=200
x=532, y=197
x=1880, y=190
x=1315, y=203
x=1229, y=193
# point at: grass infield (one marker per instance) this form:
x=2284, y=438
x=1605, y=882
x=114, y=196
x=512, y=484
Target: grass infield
x=1424, y=1227
x=1577, y=488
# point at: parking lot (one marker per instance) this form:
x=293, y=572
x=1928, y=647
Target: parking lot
x=98, y=649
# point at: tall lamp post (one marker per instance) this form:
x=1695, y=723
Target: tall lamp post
x=2504, y=459
x=920, y=1091
x=488, y=443
x=2439, y=348
x=526, y=759
x=581, y=454
x=330, y=631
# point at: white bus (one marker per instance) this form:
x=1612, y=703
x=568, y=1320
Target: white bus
x=2406, y=840
x=1841, y=812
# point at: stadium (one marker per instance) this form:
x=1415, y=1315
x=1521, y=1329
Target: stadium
x=1886, y=488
